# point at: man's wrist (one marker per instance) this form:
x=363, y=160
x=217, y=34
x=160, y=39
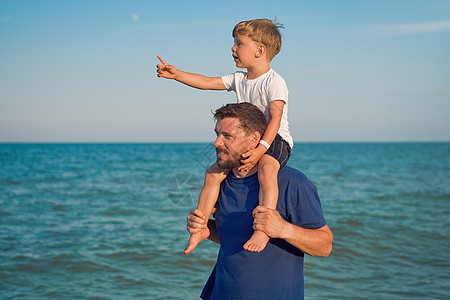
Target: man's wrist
x=286, y=230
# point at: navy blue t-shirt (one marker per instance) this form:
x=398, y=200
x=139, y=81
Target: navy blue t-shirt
x=277, y=271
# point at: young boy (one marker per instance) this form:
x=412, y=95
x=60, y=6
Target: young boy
x=256, y=42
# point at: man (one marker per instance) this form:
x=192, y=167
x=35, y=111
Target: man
x=296, y=227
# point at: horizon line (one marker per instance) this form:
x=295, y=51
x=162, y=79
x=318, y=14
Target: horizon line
x=205, y=142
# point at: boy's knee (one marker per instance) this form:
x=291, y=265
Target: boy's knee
x=268, y=166
x=216, y=173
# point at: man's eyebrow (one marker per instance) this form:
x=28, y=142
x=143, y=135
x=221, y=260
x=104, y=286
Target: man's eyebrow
x=223, y=132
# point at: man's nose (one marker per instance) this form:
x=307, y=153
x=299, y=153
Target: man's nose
x=218, y=142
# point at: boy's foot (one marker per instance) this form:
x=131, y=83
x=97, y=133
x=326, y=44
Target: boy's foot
x=195, y=239
x=257, y=242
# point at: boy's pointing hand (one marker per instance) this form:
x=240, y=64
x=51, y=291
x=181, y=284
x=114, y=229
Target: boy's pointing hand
x=165, y=70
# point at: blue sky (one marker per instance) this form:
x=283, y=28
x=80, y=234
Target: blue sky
x=357, y=70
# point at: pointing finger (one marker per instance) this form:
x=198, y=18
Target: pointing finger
x=161, y=60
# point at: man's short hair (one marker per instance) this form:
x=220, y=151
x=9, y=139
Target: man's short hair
x=250, y=117
x=262, y=31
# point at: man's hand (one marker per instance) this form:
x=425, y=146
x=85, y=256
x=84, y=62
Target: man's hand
x=269, y=221
x=315, y=242
x=200, y=229
x=196, y=220
x=251, y=158
x=165, y=70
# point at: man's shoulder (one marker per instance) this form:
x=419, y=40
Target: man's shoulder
x=291, y=175
x=292, y=172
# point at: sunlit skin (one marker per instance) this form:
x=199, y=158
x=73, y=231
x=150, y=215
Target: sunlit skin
x=314, y=242
x=230, y=143
x=252, y=56
x=231, y=139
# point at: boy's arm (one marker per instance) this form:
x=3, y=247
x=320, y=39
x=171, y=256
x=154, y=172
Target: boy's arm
x=275, y=113
x=194, y=80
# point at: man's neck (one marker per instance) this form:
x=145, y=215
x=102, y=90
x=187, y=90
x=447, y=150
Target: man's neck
x=242, y=174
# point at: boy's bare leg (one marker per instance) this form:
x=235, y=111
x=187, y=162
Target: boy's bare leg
x=268, y=168
x=208, y=198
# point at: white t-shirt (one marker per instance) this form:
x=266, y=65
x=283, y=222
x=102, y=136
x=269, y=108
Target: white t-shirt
x=261, y=91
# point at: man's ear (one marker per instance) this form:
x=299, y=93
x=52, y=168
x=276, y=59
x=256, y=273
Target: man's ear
x=255, y=138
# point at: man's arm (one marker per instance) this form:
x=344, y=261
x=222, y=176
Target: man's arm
x=194, y=80
x=213, y=233
x=315, y=242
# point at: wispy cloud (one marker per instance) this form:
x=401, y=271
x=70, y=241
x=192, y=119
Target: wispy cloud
x=414, y=28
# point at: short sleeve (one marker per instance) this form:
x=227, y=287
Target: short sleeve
x=278, y=89
x=301, y=203
x=229, y=82
x=307, y=211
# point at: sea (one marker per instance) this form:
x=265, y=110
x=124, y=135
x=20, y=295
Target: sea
x=108, y=221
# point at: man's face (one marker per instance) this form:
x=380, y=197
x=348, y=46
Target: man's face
x=231, y=143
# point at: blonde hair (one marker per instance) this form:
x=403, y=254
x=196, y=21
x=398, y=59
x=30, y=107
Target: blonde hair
x=262, y=31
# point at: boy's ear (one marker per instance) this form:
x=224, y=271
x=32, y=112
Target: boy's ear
x=261, y=50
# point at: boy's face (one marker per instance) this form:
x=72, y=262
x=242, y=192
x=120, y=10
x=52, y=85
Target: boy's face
x=244, y=51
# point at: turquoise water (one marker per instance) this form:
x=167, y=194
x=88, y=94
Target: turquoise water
x=107, y=221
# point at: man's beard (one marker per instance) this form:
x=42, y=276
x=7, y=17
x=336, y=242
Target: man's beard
x=233, y=160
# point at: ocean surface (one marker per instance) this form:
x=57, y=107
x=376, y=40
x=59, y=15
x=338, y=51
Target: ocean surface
x=107, y=221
